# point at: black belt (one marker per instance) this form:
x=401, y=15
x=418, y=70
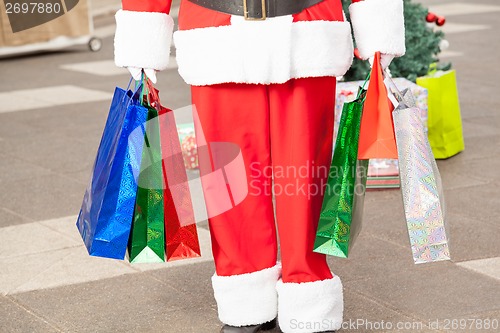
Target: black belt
x=257, y=9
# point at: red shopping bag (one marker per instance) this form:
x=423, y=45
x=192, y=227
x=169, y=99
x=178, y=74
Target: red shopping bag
x=180, y=224
x=181, y=235
x=376, y=137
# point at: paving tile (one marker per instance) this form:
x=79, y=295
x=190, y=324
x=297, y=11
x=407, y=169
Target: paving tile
x=12, y=169
x=43, y=197
x=17, y=271
x=450, y=54
x=8, y=218
x=462, y=9
x=480, y=127
x=477, y=148
x=48, y=97
x=183, y=279
x=16, y=319
x=362, y=314
x=488, y=266
x=129, y=303
x=424, y=291
x=11, y=101
x=455, y=28
x=66, y=226
x=99, y=68
x=37, y=262
x=372, y=256
x=70, y=266
x=457, y=164
x=456, y=180
x=12, y=128
x=476, y=203
x=472, y=239
x=105, y=67
x=54, y=152
x=481, y=147
x=384, y=217
x=487, y=168
x=81, y=122
x=82, y=176
x=31, y=238
x=196, y=320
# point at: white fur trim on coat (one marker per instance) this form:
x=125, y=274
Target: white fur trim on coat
x=263, y=52
x=311, y=306
x=247, y=299
x=143, y=39
x=378, y=26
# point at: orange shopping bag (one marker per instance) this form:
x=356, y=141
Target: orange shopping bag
x=376, y=137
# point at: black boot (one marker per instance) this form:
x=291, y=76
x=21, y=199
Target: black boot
x=249, y=329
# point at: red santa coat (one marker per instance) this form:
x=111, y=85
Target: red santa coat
x=227, y=60
x=214, y=47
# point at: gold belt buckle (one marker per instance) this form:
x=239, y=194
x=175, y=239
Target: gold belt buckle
x=245, y=12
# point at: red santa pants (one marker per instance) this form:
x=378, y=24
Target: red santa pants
x=284, y=132
x=286, y=127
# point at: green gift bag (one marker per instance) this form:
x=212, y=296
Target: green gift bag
x=147, y=238
x=444, y=120
x=342, y=210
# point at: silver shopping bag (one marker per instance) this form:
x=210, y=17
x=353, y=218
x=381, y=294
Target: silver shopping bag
x=420, y=185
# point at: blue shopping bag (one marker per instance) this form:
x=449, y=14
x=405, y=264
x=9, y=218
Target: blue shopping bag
x=108, y=205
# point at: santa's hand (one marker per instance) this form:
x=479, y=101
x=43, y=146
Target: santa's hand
x=385, y=60
x=137, y=73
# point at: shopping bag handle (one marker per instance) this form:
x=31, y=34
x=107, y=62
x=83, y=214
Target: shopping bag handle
x=134, y=92
x=360, y=91
x=393, y=93
x=147, y=89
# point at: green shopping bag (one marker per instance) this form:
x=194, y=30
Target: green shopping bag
x=444, y=120
x=342, y=210
x=147, y=237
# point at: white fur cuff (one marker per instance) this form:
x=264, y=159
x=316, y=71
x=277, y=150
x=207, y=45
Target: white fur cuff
x=247, y=299
x=143, y=39
x=378, y=26
x=311, y=306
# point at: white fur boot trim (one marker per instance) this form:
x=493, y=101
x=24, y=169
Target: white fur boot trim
x=143, y=39
x=247, y=299
x=378, y=26
x=310, y=306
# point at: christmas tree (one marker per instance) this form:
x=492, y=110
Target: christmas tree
x=422, y=46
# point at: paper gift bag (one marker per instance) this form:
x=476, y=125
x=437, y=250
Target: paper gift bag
x=108, y=204
x=376, y=137
x=180, y=224
x=444, y=119
x=342, y=210
x=181, y=235
x=420, y=185
x=147, y=238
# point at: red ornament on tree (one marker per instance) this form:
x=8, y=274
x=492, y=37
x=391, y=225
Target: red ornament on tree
x=431, y=17
x=440, y=21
